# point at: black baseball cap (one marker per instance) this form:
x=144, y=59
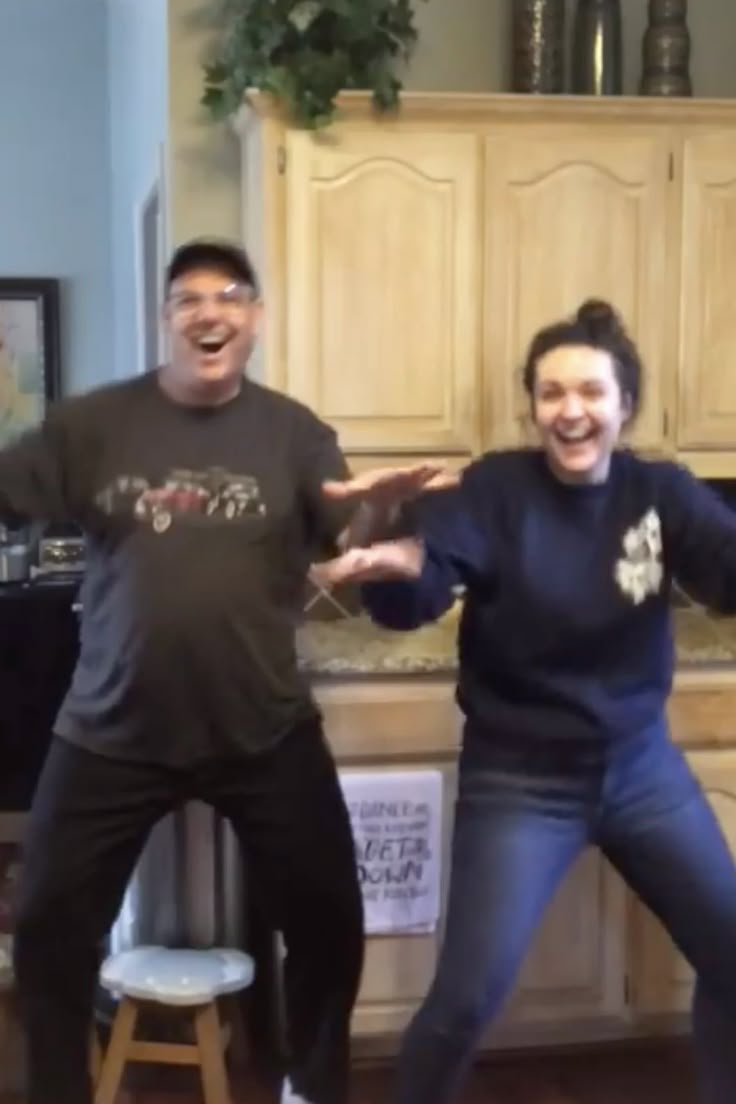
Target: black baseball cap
x=214, y=253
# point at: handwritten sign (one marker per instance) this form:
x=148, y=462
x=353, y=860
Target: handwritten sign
x=397, y=826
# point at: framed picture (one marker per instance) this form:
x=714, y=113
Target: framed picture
x=29, y=353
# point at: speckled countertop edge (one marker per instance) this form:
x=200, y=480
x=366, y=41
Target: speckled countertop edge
x=358, y=648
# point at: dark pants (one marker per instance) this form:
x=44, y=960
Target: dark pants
x=88, y=825
x=523, y=817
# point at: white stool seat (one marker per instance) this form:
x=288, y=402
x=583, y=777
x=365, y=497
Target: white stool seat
x=176, y=977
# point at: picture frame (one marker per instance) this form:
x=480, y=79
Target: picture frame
x=30, y=352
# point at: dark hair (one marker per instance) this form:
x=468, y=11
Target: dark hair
x=598, y=325
x=212, y=253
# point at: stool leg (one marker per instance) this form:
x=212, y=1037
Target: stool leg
x=211, y=1055
x=113, y=1064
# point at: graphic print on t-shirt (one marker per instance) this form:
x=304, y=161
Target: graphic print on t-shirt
x=214, y=493
x=639, y=572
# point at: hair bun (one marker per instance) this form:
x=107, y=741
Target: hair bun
x=599, y=318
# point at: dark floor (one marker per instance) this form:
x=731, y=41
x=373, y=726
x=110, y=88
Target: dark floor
x=651, y=1074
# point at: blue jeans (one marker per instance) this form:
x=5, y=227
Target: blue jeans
x=523, y=816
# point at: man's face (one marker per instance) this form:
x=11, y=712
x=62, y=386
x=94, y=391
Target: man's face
x=213, y=324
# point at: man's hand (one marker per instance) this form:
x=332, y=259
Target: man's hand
x=385, y=561
x=391, y=485
x=379, y=495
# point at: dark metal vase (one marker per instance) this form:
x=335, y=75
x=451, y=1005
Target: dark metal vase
x=666, y=50
x=538, y=56
x=597, y=53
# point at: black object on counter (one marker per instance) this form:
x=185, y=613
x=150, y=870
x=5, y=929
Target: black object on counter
x=538, y=46
x=597, y=53
x=666, y=50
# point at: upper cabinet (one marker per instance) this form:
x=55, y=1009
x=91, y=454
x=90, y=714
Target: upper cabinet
x=573, y=213
x=381, y=284
x=707, y=369
x=408, y=261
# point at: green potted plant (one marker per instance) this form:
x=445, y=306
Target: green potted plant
x=305, y=52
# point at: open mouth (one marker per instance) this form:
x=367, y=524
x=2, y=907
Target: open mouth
x=571, y=438
x=211, y=345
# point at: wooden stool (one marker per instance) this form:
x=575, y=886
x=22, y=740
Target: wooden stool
x=178, y=979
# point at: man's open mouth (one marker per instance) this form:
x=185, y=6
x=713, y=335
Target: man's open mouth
x=211, y=343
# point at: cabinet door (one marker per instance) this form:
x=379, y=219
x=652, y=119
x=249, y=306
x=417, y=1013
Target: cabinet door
x=574, y=213
x=661, y=980
x=395, y=724
x=399, y=968
x=382, y=286
x=572, y=984
x=707, y=362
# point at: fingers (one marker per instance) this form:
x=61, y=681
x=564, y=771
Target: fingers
x=443, y=481
x=399, y=482
x=350, y=567
x=389, y=560
x=340, y=490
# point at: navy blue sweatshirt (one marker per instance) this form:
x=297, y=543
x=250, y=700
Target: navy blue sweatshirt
x=566, y=628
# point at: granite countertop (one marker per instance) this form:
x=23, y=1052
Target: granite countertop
x=355, y=646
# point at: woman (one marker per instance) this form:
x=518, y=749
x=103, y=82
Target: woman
x=567, y=554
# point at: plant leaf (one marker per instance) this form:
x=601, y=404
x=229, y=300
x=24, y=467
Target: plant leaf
x=305, y=52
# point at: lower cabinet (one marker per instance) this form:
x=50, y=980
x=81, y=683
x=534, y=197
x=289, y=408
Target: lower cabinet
x=599, y=967
x=661, y=980
x=573, y=981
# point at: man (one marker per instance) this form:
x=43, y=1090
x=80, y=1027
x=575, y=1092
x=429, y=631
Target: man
x=201, y=497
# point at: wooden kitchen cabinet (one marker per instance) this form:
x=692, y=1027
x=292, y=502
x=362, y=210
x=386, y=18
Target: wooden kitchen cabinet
x=571, y=213
x=408, y=261
x=573, y=983
x=600, y=966
x=574, y=977
x=395, y=724
x=380, y=282
x=661, y=980
x=707, y=366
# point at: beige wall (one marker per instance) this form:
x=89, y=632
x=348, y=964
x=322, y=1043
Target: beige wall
x=204, y=165
x=463, y=46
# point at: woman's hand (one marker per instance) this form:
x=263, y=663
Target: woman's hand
x=385, y=561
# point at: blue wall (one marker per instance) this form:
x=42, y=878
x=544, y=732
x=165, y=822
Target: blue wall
x=138, y=84
x=55, y=168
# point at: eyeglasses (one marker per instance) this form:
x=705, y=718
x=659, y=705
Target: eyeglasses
x=235, y=297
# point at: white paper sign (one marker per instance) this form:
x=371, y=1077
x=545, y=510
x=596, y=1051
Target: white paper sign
x=397, y=826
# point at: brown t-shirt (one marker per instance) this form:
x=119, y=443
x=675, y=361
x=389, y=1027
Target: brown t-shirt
x=201, y=524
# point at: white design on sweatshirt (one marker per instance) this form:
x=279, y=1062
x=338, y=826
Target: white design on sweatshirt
x=639, y=572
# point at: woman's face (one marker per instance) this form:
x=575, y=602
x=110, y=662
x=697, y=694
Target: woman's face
x=579, y=411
